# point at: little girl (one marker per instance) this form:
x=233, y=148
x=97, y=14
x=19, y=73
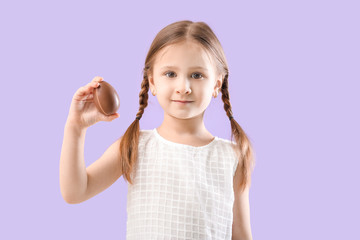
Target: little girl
x=184, y=183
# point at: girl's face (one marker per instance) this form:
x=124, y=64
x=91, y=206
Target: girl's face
x=184, y=72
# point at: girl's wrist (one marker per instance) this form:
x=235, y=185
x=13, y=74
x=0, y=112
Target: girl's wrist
x=73, y=125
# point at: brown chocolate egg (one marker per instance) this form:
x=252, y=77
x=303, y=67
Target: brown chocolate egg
x=106, y=98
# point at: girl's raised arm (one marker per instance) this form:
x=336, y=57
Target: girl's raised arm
x=78, y=183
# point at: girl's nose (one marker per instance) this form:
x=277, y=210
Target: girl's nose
x=183, y=86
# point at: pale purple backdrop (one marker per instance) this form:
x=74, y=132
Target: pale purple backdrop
x=294, y=88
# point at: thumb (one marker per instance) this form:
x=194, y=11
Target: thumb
x=111, y=117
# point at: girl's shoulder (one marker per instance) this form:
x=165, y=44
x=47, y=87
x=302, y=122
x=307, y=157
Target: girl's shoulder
x=226, y=142
x=230, y=147
x=145, y=134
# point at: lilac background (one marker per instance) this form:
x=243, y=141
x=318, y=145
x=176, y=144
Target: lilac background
x=294, y=88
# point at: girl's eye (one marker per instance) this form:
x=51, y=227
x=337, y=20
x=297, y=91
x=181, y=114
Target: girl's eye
x=197, y=74
x=166, y=74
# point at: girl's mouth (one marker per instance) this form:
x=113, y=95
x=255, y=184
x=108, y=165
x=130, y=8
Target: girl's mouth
x=182, y=101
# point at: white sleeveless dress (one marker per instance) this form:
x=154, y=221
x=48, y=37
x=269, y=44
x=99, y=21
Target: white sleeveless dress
x=181, y=191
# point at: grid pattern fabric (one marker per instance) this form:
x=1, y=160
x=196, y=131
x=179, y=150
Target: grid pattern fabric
x=181, y=191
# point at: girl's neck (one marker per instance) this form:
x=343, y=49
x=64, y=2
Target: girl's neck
x=185, y=131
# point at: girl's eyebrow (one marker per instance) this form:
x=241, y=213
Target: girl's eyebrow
x=196, y=67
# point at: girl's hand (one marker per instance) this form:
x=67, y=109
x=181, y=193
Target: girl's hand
x=83, y=111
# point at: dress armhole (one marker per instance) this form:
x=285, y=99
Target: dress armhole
x=235, y=157
x=235, y=166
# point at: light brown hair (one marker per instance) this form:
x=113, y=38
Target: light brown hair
x=175, y=33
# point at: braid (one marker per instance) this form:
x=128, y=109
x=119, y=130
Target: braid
x=143, y=97
x=129, y=143
x=243, y=145
x=226, y=97
x=236, y=130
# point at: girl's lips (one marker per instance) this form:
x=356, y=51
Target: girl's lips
x=182, y=101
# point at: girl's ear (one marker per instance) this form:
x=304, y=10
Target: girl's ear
x=151, y=81
x=149, y=77
x=152, y=85
x=218, y=83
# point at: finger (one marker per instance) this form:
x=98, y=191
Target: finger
x=90, y=87
x=97, y=79
x=89, y=98
x=81, y=91
x=93, y=85
x=111, y=117
x=85, y=90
